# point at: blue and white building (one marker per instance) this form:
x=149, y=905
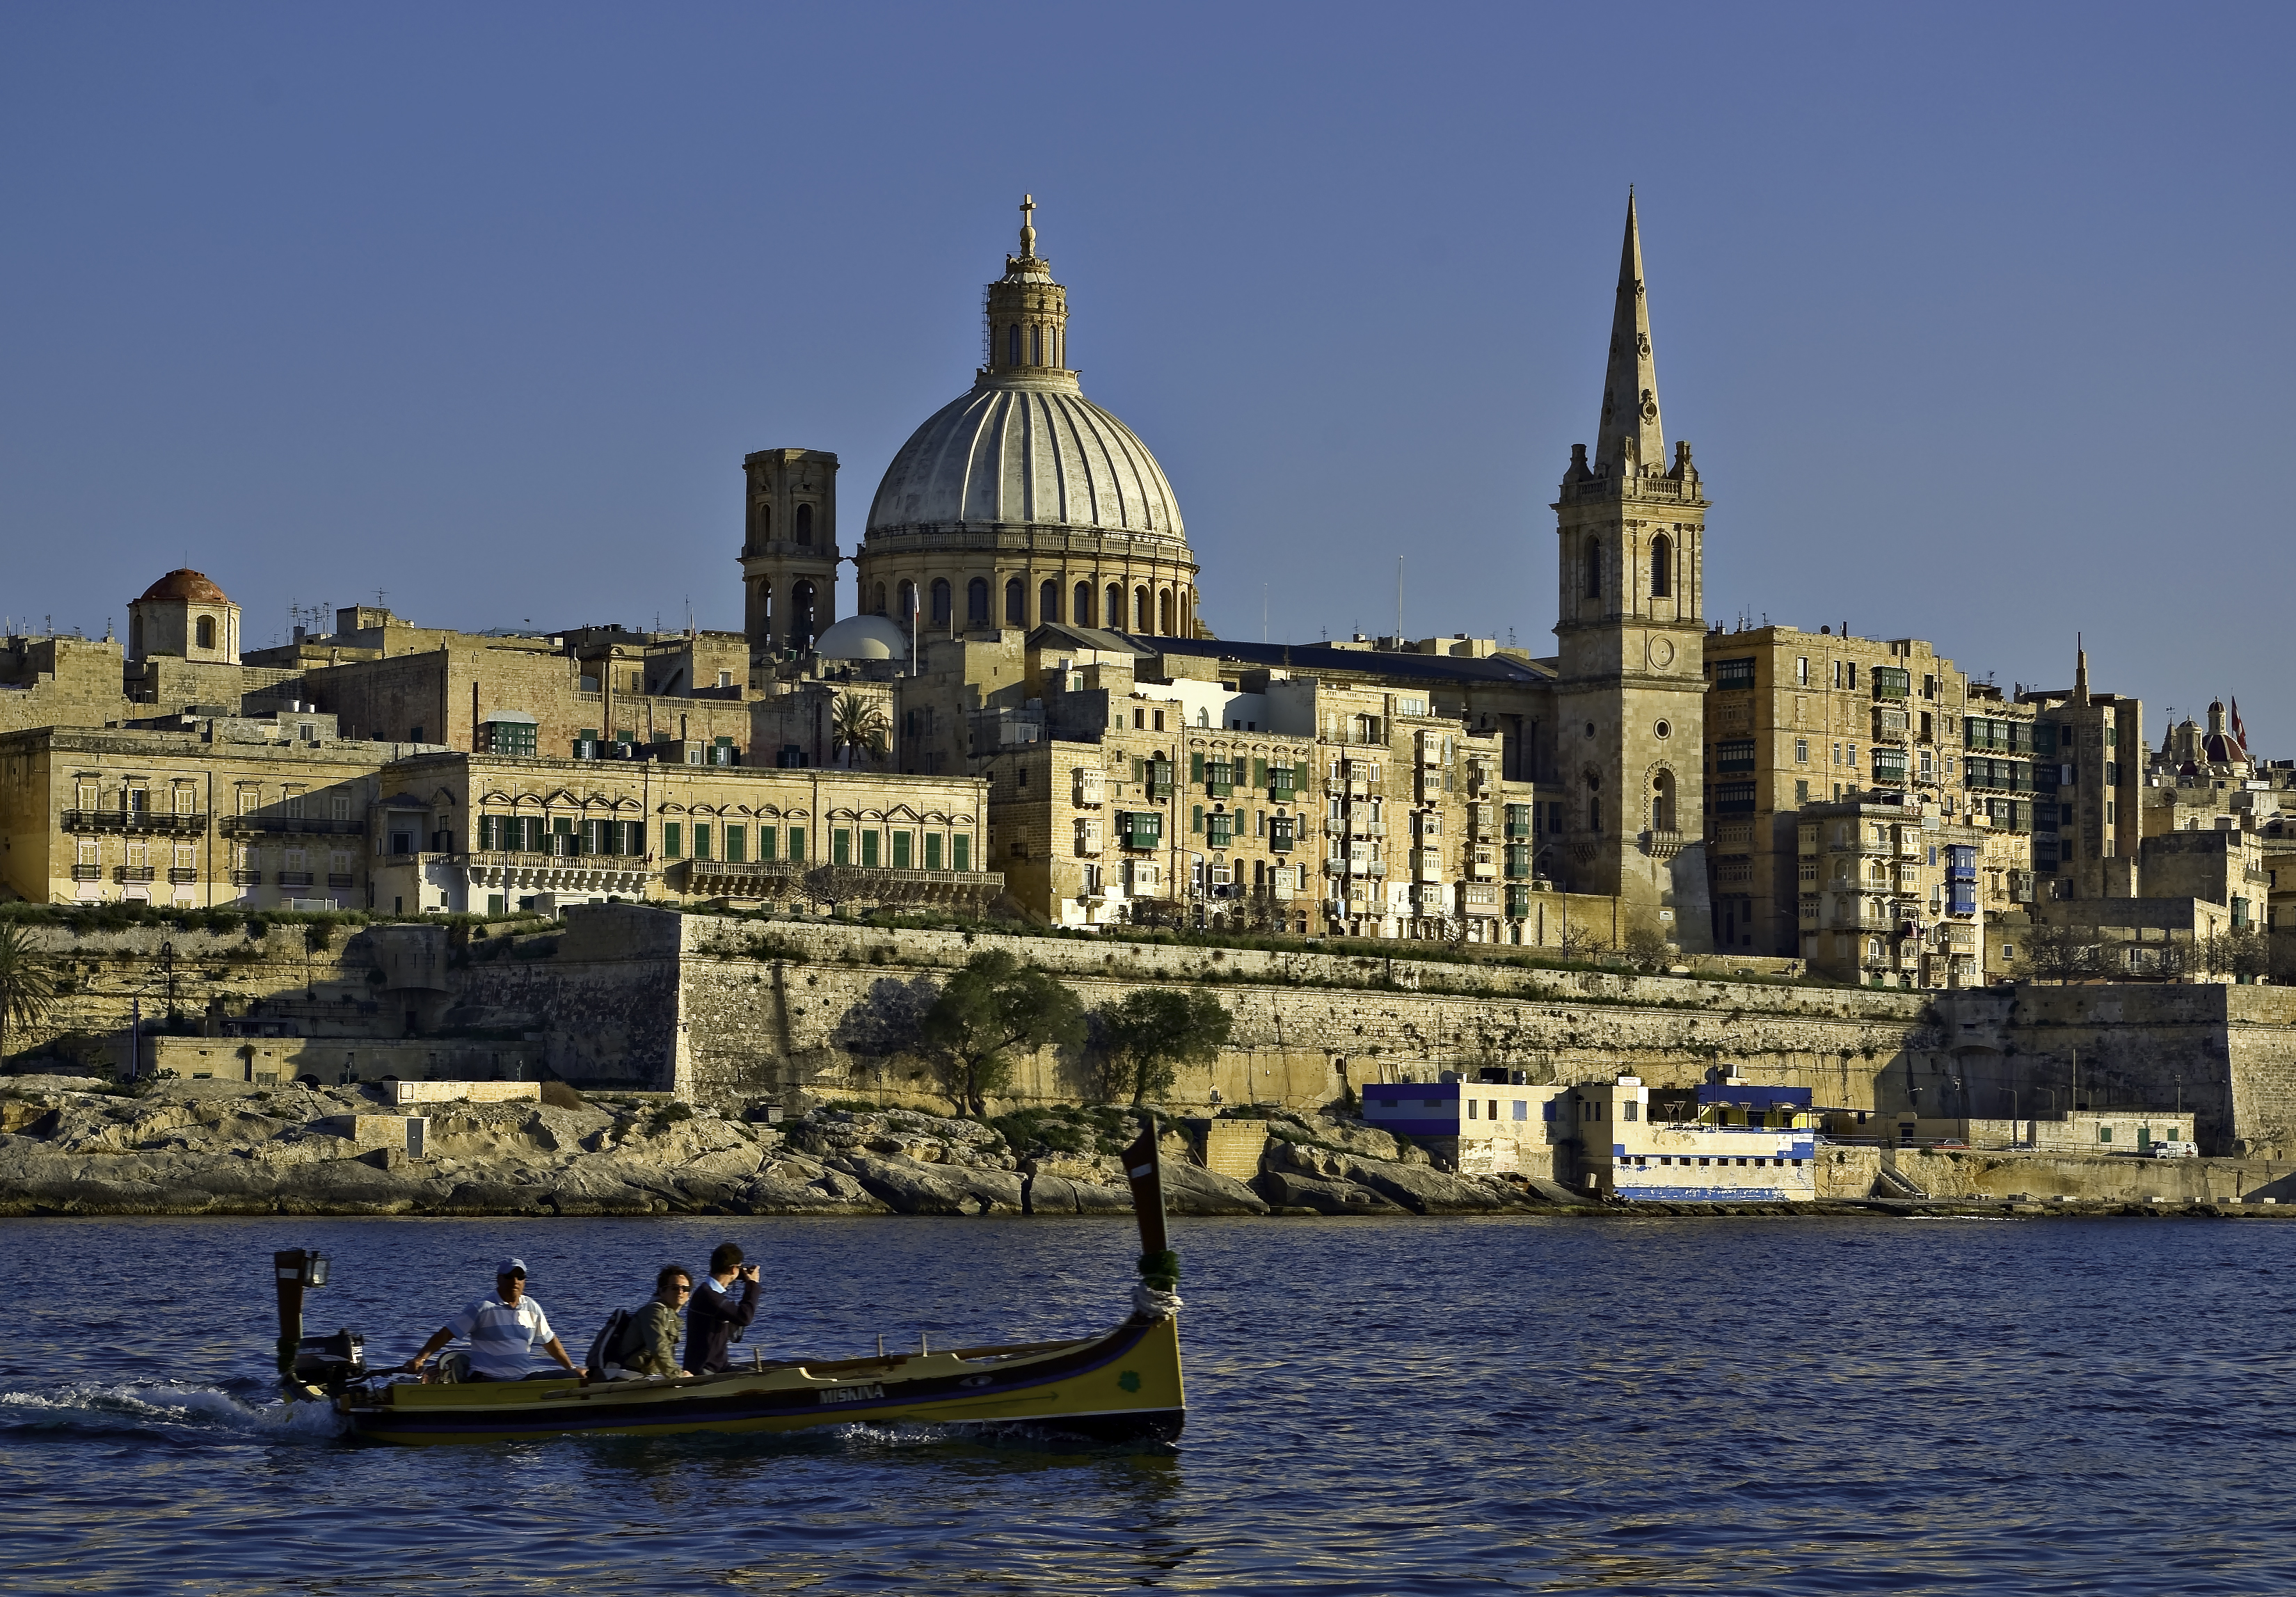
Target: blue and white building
x=1482, y=1127
x=1734, y=1143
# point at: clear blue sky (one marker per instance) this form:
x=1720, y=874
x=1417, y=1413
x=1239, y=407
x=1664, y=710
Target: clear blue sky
x=1976, y=317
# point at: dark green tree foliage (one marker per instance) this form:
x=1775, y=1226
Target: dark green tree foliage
x=27, y=982
x=992, y=1006
x=1149, y=1034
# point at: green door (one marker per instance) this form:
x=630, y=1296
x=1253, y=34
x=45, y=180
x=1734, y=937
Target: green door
x=2144, y=1141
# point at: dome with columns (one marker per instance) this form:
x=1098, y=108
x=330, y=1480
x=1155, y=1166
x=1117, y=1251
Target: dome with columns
x=1023, y=503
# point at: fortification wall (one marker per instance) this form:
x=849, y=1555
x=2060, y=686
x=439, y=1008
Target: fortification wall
x=832, y=1010
x=1851, y=1172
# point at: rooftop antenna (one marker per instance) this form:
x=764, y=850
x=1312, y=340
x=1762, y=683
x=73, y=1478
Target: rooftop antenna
x=1398, y=602
x=1263, y=612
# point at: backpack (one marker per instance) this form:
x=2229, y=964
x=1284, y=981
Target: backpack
x=607, y=1347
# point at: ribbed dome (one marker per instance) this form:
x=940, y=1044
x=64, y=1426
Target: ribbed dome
x=188, y=585
x=1026, y=452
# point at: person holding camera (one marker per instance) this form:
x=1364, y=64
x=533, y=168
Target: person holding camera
x=715, y=1317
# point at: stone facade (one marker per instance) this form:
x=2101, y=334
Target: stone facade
x=218, y=812
x=1630, y=699
x=789, y=549
x=492, y=834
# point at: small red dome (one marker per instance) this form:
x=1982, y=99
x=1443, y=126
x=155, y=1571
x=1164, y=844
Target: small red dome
x=187, y=585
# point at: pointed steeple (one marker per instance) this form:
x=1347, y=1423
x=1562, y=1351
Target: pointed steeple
x=1630, y=438
x=2080, y=672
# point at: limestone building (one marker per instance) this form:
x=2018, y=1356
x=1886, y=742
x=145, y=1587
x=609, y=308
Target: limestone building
x=489, y=833
x=1629, y=697
x=192, y=812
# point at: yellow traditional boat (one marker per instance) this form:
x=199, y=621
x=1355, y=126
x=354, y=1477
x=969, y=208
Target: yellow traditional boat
x=1122, y=1386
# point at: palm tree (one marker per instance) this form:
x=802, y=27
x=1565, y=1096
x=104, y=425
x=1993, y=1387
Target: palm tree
x=27, y=982
x=857, y=724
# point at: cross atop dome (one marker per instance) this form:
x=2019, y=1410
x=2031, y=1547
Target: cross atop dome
x=1028, y=226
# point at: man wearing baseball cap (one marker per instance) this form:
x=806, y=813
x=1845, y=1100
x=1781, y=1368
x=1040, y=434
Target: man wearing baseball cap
x=504, y=1330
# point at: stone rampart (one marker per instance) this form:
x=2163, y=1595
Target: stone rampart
x=1855, y=1173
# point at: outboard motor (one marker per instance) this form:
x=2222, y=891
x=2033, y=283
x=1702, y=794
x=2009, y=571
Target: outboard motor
x=311, y=1366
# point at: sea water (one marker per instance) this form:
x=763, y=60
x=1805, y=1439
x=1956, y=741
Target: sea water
x=1377, y=1405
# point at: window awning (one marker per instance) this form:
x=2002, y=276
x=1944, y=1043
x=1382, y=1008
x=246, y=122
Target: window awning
x=509, y=718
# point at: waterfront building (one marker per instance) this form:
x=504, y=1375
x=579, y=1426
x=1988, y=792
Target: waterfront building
x=1726, y=1141
x=1481, y=1127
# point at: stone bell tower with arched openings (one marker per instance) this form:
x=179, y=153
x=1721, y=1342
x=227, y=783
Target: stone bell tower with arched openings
x=1630, y=700
x=789, y=549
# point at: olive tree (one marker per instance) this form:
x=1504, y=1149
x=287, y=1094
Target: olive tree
x=992, y=1006
x=1149, y=1034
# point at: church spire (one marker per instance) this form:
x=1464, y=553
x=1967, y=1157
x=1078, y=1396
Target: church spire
x=1630, y=438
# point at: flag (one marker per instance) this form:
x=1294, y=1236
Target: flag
x=2239, y=732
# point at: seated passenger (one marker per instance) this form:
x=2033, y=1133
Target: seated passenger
x=648, y=1346
x=503, y=1330
x=715, y=1318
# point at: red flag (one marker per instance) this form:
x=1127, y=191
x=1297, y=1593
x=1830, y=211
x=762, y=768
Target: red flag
x=2239, y=732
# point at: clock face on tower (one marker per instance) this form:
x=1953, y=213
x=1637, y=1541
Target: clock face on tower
x=1662, y=653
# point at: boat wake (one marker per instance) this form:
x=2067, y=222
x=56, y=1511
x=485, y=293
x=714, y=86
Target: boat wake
x=165, y=1412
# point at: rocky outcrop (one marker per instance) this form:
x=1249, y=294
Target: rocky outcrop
x=1331, y=1181
x=70, y=1149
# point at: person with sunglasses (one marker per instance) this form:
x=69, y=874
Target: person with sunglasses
x=504, y=1331
x=650, y=1347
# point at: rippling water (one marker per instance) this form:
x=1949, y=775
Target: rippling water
x=1663, y=1405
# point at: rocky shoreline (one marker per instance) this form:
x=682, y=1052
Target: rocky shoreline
x=68, y=1146
x=71, y=1146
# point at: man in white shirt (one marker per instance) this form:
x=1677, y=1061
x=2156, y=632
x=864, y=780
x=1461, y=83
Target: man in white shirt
x=504, y=1330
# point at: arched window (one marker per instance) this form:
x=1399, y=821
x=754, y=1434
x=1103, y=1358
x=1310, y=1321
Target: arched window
x=764, y=521
x=1140, y=612
x=1016, y=603
x=805, y=524
x=1036, y=346
x=908, y=591
x=1662, y=802
x=940, y=601
x=800, y=628
x=1593, y=580
x=1115, y=607
x=1082, y=615
x=976, y=601
x=1164, y=613
x=1662, y=567
x=1012, y=345
x=1593, y=814
x=205, y=632
x=1048, y=602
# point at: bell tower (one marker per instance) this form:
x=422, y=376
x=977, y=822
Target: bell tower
x=1630, y=700
x=789, y=550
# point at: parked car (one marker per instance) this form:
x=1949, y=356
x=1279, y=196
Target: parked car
x=2176, y=1150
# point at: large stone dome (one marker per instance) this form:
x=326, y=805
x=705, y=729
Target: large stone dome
x=1026, y=452
x=1024, y=502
